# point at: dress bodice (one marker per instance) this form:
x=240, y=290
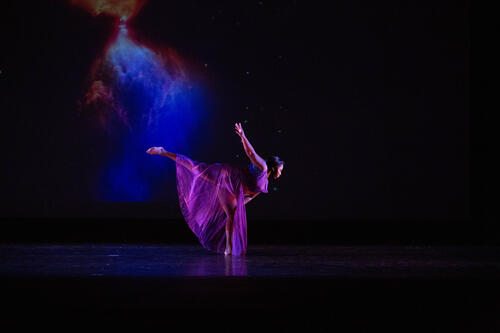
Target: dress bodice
x=257, y=180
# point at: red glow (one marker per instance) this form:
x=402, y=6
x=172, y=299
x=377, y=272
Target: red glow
x=119, y=8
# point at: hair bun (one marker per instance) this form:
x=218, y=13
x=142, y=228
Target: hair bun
x=275, y=160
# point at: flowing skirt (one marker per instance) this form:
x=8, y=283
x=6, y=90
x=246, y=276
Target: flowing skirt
x=200, y=187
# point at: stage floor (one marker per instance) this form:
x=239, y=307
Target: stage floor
x=174, y=261
x=320, y=288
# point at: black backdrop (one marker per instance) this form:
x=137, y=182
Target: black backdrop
x=367, y=102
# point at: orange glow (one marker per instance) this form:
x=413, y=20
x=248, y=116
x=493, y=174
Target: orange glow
x=120, y=8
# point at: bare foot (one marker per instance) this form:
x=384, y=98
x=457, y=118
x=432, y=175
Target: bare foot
x=228, y=251
x=156, y=151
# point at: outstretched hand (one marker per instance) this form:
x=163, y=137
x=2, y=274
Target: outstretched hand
x=239, y=130
x=156, y=151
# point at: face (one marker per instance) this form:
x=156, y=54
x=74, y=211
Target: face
x=277, y=171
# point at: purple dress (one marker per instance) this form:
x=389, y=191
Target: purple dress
x=201, y=186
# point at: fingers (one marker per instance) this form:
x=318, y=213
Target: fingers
x=238, y=129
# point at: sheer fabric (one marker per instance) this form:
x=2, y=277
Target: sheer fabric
x=202, y=186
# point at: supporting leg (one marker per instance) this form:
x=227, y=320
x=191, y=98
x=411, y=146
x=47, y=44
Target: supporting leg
x=229, y=235
x=228, y=203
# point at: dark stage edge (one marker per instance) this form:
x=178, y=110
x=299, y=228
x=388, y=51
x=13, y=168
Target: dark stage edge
x=272, y=288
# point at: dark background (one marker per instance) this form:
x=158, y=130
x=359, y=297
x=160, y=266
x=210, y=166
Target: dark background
x=368, y=104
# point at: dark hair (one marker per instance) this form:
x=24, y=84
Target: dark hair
x=274, y=161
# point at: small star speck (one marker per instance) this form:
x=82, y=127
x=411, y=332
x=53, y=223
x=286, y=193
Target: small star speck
x=245, y=121
x=246, y=107
x=206, y=65
x=237, y=155
x=247, y=73
x=275, y=189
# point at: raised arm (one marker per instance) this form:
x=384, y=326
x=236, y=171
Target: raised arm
x=252, y=155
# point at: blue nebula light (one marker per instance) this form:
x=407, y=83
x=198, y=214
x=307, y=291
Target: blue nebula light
x=149, y=100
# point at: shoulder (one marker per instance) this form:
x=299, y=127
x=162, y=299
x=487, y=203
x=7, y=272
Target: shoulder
x=258, y=169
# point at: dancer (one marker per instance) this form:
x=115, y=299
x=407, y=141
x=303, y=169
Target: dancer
x=212, y=197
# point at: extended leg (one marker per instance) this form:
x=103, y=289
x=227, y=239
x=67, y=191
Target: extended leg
x=173, y=156
x=162, y=152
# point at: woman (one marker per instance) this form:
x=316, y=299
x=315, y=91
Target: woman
x=212, y=197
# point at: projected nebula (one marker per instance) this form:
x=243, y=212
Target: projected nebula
x=118, y=8
x=140, y=97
